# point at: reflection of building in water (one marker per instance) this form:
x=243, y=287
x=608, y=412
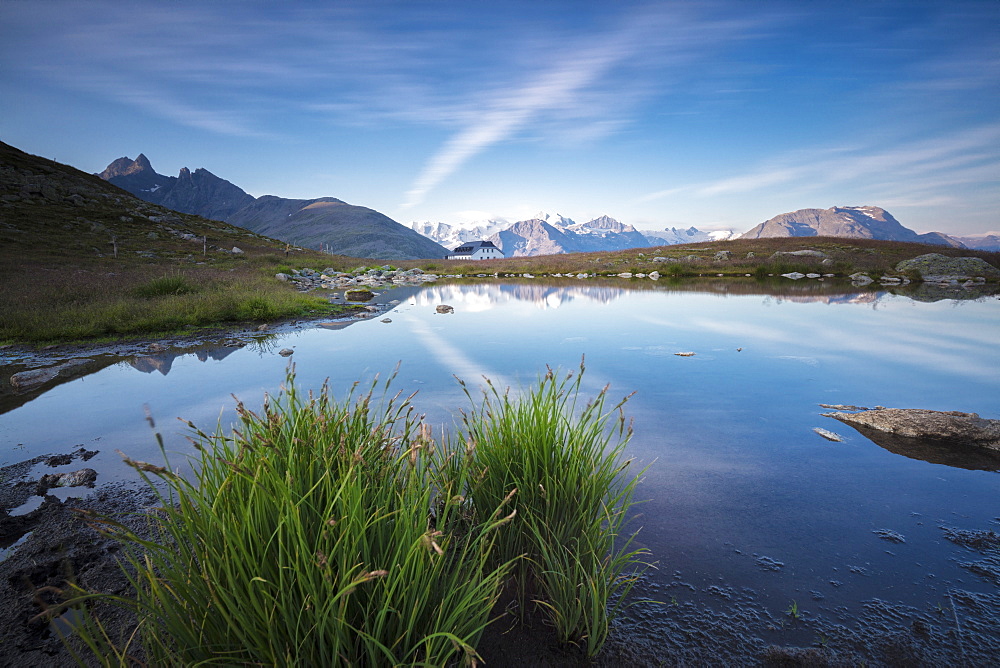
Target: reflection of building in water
x=165, y=361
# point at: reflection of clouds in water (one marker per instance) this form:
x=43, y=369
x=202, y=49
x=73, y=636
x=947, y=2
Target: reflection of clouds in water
x=811, y=361
x=453, y=359
x=652, y=351
x=573, y=339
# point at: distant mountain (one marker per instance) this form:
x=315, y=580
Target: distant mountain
x=547, y=234
x=853, y=222
x=671, y=236
x=324, y=223
x=451, y=236
x=54, y=214
x=532, y=237
x=989, y=241
x=538, y=236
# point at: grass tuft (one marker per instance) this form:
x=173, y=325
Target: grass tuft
x=341, y=533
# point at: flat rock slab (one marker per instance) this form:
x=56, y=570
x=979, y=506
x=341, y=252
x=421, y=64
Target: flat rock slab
x=945, y=427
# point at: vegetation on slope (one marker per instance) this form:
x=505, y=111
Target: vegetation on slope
x=748, y=256
x=83, y=259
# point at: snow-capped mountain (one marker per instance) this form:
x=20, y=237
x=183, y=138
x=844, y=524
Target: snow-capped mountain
x=549, y=233
x=451, y=236
x=671, y=236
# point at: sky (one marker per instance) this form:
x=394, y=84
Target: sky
x=717, y=115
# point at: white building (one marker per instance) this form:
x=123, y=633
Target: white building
x=476, y=250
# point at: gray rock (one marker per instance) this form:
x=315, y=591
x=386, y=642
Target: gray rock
x=859, y=278
x=27, y=380
x=659, y=259
x=237, y=251
x=286, y=352
x=282, y=277
x=70, y=479
x=444, y=308
x=799, y=253
x=795, y=275
x=934, y=267
x=723, y=255
x=947, y=426
x=31, y=379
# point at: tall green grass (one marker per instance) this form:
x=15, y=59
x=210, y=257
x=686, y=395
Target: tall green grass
x=324, y=532
x=566, y=462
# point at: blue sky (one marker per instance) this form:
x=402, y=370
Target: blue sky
x=712, y=114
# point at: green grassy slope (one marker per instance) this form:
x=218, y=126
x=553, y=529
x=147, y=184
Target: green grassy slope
x=80, y=258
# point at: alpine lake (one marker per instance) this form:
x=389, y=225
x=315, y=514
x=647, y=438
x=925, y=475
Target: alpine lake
x=768, y=539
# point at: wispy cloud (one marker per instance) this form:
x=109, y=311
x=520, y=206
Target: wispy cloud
x=961, y=157
x=578, y=80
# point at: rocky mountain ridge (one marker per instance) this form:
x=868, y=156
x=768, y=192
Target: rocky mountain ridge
x=852, y=222
x=324, y=223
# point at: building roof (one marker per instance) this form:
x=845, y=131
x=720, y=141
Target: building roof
x=473, y=246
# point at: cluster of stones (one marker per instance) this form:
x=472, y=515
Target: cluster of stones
x=51, y=187
x=331, y=279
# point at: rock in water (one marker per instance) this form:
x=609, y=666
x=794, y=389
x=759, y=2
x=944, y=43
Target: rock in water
x=83, y=477
x=937, y=267
x=828, y=435
x=444, y=308
x=944, y=426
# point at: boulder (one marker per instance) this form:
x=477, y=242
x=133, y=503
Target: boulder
x=359, y=295
x=795, y=275
x=860, y=279
x=444, y=308
x=723, y=255
x=943, y=426
x=83, y=477
x=934, y=267
x=286, y=352
x=798, y=253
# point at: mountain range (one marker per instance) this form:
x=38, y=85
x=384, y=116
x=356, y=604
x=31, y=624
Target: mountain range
x=324, y=223
x=548, y=234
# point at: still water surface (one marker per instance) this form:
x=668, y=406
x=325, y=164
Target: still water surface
x=741, y=498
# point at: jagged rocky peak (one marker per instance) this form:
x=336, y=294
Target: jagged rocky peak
x=126, y=167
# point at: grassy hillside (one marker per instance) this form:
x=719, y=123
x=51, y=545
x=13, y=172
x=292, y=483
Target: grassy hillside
x=846, y=255
x=82, y=259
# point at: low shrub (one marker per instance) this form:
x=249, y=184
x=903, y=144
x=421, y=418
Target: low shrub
x=173, y=284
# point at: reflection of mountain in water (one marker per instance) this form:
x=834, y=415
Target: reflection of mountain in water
x=481, y=296
x=553, y=292
x=164, y=361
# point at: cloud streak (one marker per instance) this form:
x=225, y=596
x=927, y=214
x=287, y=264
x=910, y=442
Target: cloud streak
x=963, y=157
x=576, y=84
